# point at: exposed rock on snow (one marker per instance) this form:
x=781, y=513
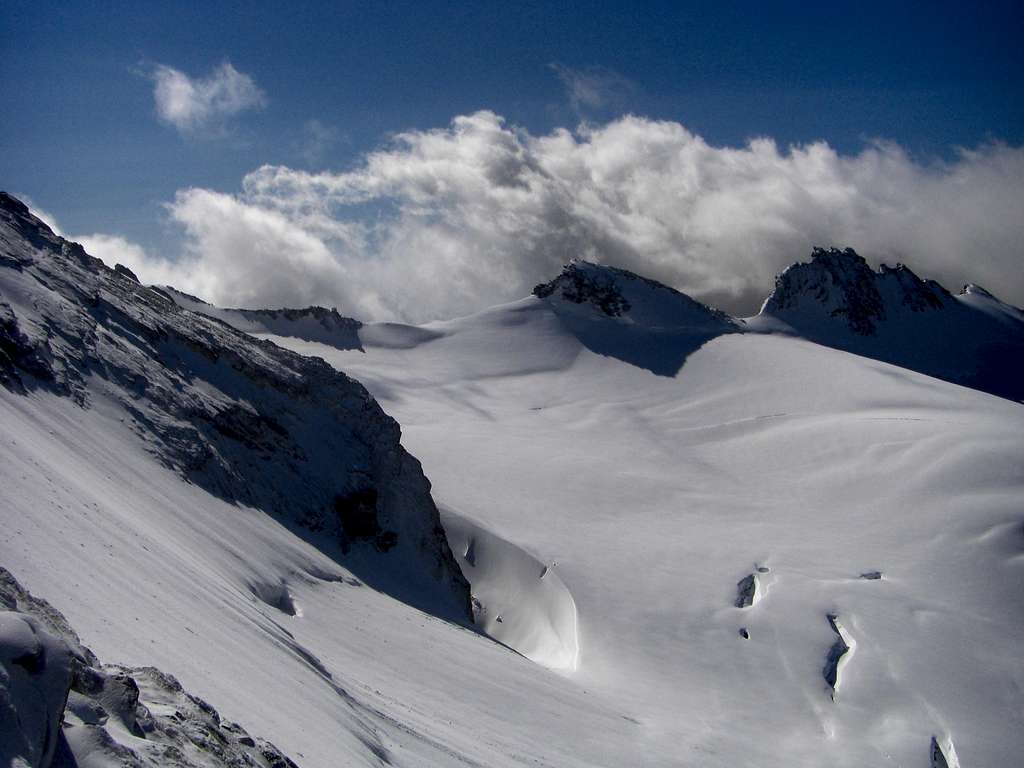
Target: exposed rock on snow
x=943, y=755
x=115, y=716
x=35, y=675
x=242, y=418
x=840, y=284
x=893, y=315
x=616, y=313
x=838, y=655
x=747, y=591
x=871, y=575
x=620, y=293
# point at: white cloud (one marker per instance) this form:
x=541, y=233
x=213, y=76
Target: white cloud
x=192, y=104
x=448, y=221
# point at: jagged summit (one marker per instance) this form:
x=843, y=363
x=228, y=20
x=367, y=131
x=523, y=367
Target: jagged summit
x=619, y=293
x=838, y=283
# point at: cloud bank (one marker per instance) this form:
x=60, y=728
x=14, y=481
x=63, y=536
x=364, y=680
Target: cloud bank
x=444, y=222
x=194, y=104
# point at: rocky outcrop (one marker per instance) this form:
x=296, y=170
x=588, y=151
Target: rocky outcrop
x=747, y=592
x=942, y=753
x=242, y=418
x=618, y=292
x=62, y=707
x=840, y=285
x=618, y=314
x=838, y=655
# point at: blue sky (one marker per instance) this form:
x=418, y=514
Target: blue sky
x=81, y=135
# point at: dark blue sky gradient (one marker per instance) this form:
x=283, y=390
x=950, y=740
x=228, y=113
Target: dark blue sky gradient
x=78, y=131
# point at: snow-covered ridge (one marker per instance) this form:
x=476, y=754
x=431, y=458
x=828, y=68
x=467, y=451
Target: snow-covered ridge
x=244, y=419
x=836, y=299
x=319, y=324
x=619, y=293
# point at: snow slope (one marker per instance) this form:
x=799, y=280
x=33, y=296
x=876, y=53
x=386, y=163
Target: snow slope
x=613, y=485
x=654, y=497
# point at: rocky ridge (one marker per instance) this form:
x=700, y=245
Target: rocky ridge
x=242, y=418
x=62, y=707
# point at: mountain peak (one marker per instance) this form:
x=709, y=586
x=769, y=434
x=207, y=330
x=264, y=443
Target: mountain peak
x=619, y=293
x=585, y=282
x=838, y=284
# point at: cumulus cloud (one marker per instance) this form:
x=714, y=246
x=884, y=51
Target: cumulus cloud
x=444, y=222
x=193, y=104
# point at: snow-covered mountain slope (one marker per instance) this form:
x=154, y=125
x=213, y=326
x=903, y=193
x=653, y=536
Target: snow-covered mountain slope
x=893, y=315
x=245, y=420
x=728, y=549
x=149, y=495
x=866, y=517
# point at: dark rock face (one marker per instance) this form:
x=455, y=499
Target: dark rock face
x=943, y=755
x=87, y=703
x=836, y=654
x=746, y=591
x=841, y=284
x=598, y=287
x=616, y=313
x=244, y=419
x=617, y=292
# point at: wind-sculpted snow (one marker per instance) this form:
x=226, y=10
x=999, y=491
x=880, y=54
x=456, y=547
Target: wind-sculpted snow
x=892, y=315
x=517, y=599
x=244, y=419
